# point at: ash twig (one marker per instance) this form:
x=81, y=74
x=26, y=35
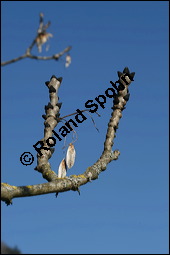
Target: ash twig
x=41, y=38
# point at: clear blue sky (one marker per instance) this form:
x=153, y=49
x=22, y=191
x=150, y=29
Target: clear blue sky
x=125, y=211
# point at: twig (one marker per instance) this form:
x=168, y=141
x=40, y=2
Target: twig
x=51, y=110
x=28, y=55
x=73, y=114
x=41, y=38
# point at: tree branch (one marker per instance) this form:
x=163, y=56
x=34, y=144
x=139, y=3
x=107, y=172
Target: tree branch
x=41, y=38
x=29, y=55
x=51, y=121
x=72, y=182
x=8, y=192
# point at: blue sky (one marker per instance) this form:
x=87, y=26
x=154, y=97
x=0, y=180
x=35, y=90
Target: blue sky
x=125, y=211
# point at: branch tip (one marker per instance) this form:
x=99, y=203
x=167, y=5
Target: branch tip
x=46, y=83
x=53, y=76
x=126, y=70
x=60, y=79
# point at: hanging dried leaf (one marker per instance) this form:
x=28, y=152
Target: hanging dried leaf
x=62, y=169
x=68, y=61
x=70, y=156
x=41, y=39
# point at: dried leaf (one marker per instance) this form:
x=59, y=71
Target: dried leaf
x=68, y=61
x=41, y=39
x=70, y=156
x=62, y=169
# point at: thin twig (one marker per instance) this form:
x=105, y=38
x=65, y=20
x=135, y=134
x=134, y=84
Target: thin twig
x=41, y=31
x=72, y=114
x=86, y=110
x=93, y=121
x=28, y=55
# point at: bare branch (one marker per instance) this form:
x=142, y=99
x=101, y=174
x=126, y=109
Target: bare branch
x=41, y=38
x=52, y=112
x=9, y=192
x=13, y=60
x=73, y=182
x=29, y=55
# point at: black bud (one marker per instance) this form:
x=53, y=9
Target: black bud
x=115, y=128
x=116, y=100
x=46, y=83
x=121, y=87
x=52, y=89
x=126, y=97
x=53, y=76
x=126, y=70
x=131, y=76
x=46, y=124
x=57, y=115
x=46, y=108
x=60, y=79
x=59, y=105
x=119, y=73
x=50, y=106
x=44, y=116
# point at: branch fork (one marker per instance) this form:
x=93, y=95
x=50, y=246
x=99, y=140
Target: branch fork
x=73, y=182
